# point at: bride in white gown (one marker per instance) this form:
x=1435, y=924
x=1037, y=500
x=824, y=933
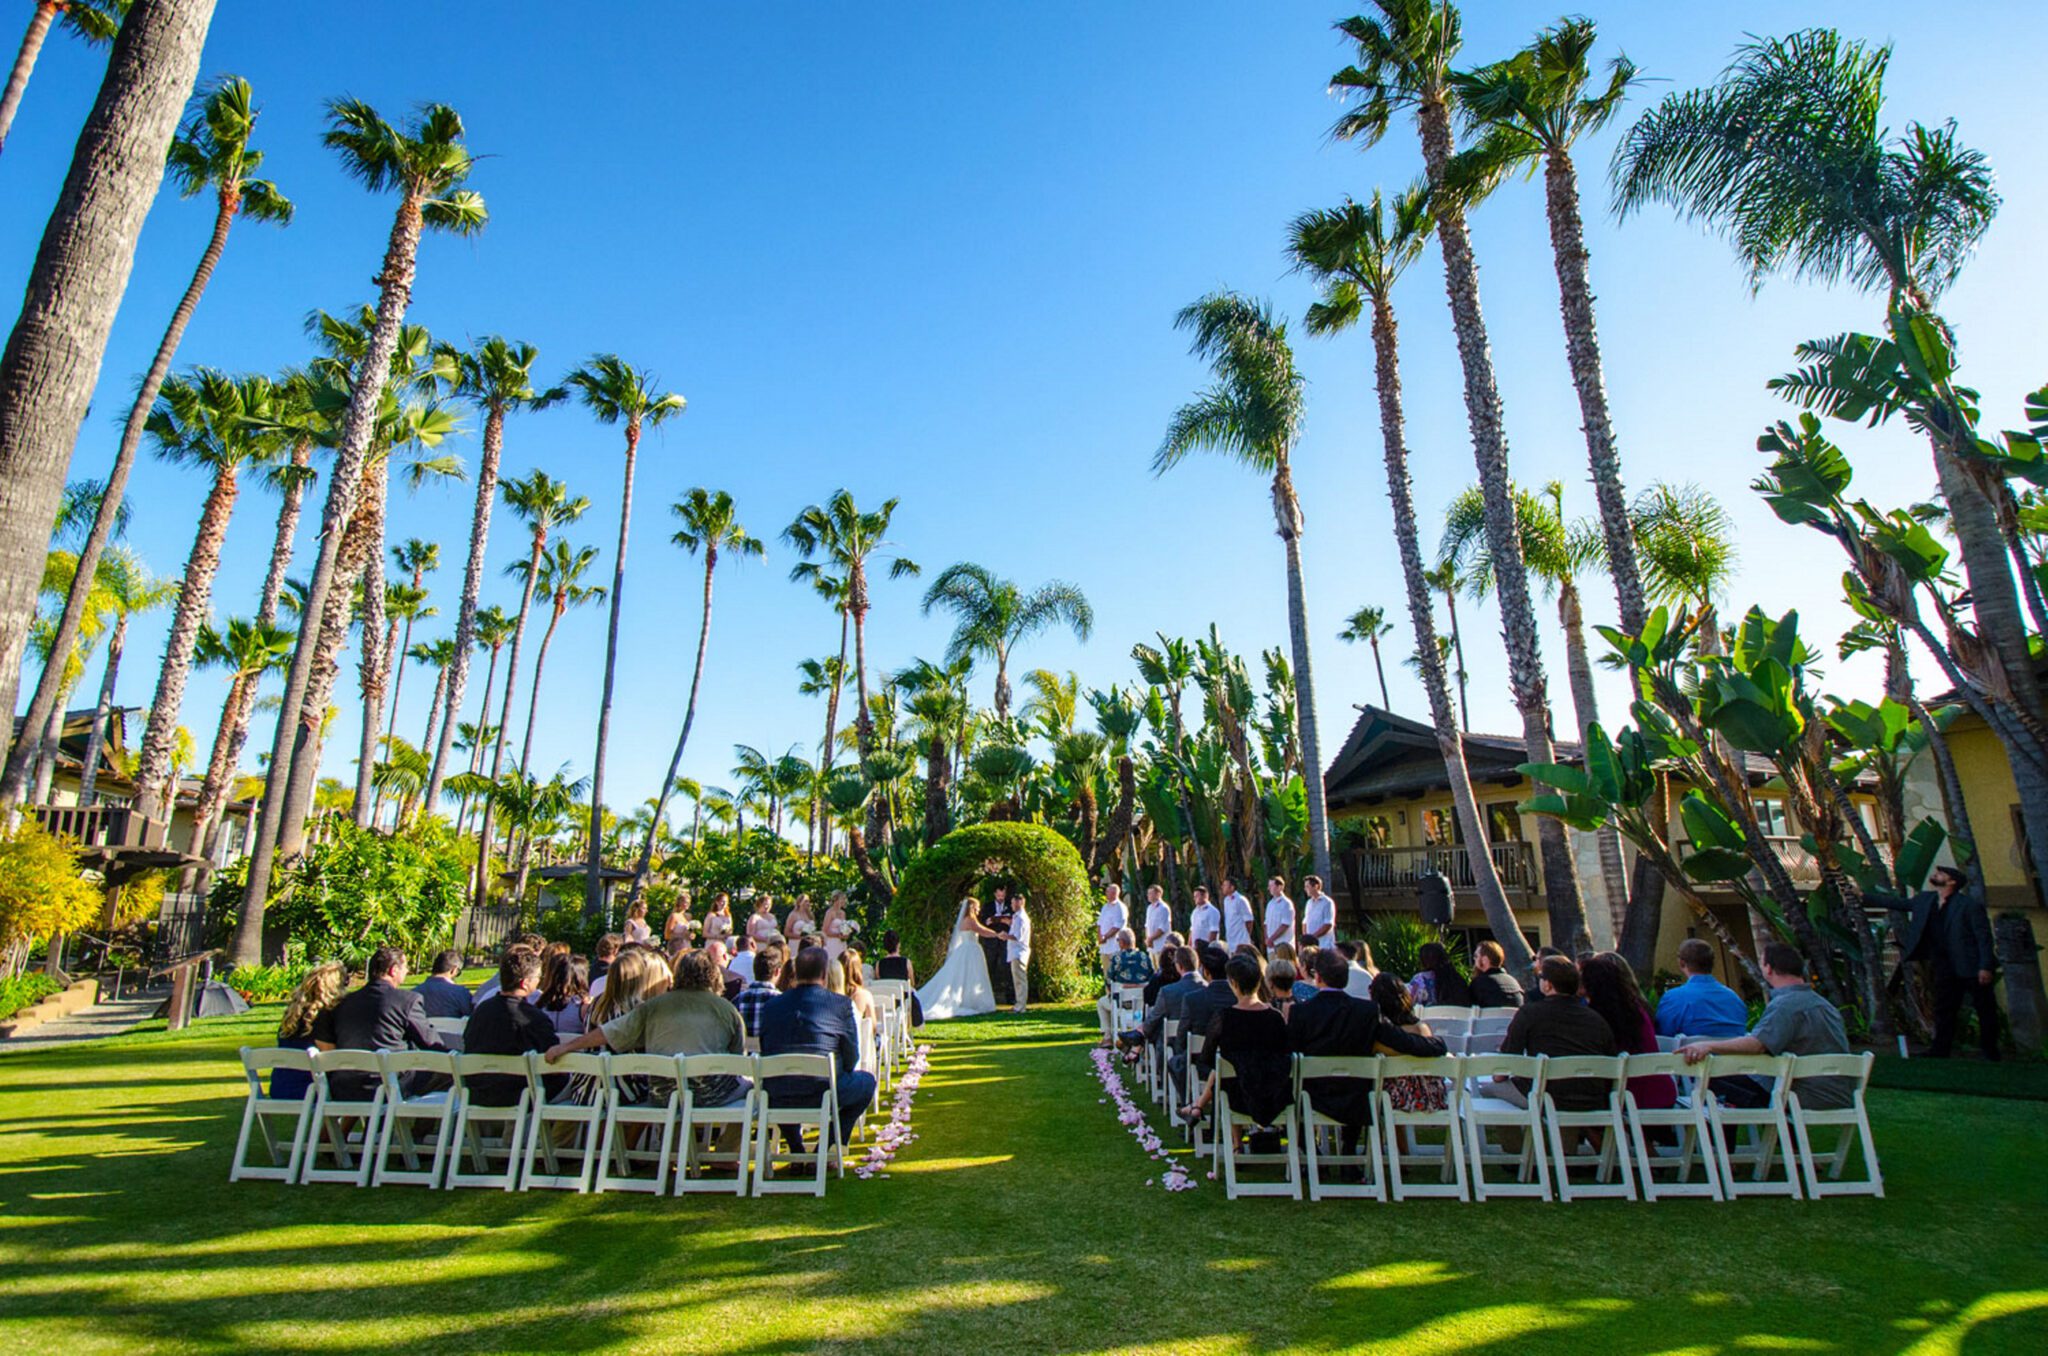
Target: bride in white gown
x=961, y=988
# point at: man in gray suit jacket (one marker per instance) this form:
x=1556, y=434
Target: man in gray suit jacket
x=1948, y=928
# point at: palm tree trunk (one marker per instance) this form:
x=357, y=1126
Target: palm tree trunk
x=1586, y=711
x=1490, y=454
x=108, y=512
x=483, y=840
x=220, y=765
x=593, y=883
x=25, y=63
x=331, y=640
x=287, y=531
x=1458, y=654
x=1582, y=351
x=46, y=755
x=476, y=753
x=285, y=799
x=831, y=728
x=374, y=663
x=1287, y=512
x=540, y=662
x=675, y=762
x=472, y=592
x=89, y=770
x=1493, y=899
x=395, y=653
x=1381, y=670
x=434, y=709
x=153, y=764
x=1002, y=682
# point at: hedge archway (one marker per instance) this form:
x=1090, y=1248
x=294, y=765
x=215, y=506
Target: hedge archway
x=1028, y=856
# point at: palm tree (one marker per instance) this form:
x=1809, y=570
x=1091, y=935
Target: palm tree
x=710, y=526
x=544, y=504
x=415, y=557
x=939, y=709
x=1170, y=667
x=1359, y=253
x=1253, y=414
x=836, y=540
x=992, y=615
x=617, y=393
x=560, y=579
x=93, y=22
x=769, y=778
x=1531, y=109
x=127, y=590
x=211, y=151
x=210, y=420
x=59, y=574
x=1444, y=581
x=824, y=678
x=1404, y=61
x=438, y=655
x=1370, y=625
x=495, y=376
x=426, y=162
x=494, y=627
x=382, y=663
x=1687, y=544
x=247, y=649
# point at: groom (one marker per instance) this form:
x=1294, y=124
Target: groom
x=996, y=917
x=1018, y=951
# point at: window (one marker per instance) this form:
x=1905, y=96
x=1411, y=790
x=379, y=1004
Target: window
x=1770, y=817
x=1439, y=827
x=1503, y=823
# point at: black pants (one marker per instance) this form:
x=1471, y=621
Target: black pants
x=1949, y=992
x=998, y=970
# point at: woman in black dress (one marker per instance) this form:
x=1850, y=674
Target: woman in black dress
x=1252, y=1035
x=896, y=965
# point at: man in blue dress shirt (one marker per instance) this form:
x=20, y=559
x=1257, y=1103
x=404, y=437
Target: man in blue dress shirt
x=1702, y=1005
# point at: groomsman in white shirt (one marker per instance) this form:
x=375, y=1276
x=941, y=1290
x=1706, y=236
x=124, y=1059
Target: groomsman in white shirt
x=1207, y=920
x=1017, y=949
x=1279, y=915
x=1158, y=921
x=1318, y=915
x=1237, y=918
x=1113, y=918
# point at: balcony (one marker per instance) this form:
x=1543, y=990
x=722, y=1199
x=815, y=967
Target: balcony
x=1377, y=873
x=104, y=826
x=1791, y=853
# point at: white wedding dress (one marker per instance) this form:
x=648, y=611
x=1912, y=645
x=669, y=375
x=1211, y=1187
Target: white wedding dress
x=961, y=988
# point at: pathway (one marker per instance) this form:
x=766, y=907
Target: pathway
x=97, y=1022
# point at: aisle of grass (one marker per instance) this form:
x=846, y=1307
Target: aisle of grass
x=1018, y=1222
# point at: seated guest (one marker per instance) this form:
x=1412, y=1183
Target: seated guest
x=1408, y=1092
x=1252, y=1035
x=1332, y=1022
x=1609, y=983
x=812, y=1020
x=1358, y=955
x=1557, y=1023
x=855, y=979
x=1166, y=1006
x=1128, y=966
x=689, y=1019
x=382, y=1015
x=564, y=993
x=317, y=992
x=1492, y=986
x=1796, y=1021
x=895, y=965
x=729, y=984
x=440, y=993
x=507, y=1023
x=768, y=964
x=639, y=973
x=532, y=941
x=601, y=957
x=1438, y=981
x=1701, y=1005
x=741, y=962
x=1167, y=971
x=1281, y=983
x=1199, y=1008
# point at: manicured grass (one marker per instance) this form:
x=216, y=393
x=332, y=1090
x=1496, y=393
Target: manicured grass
x=1017, y=1222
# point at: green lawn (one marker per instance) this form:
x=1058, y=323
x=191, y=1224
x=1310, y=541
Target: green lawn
x=1017, y=1222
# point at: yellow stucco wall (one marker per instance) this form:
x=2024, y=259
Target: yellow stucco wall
x=1989, y=792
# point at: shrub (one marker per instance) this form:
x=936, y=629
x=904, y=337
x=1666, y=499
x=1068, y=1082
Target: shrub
x=41, y=892
x=267, y=983
x=358, y=891
x=29, y=989
x=1029, y=855
x=1397, y=940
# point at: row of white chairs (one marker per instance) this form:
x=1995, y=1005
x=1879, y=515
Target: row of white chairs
x=1620, y=1148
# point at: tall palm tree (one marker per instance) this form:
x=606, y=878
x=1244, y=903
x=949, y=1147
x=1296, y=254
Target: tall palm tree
x=60, y=568
x=438, y=655
x=939, y=709
x=494, y=627
x=1686, y=540
x=617, y=393
x=768, y=777
x=1445, y=582
x=825, y=678
x=416, y=558
x=211, y=421
x=129, y=590
x=1370, y=625
x=1532, y=109
x=560, y=579
x=992, y=615
x=383, y=665
x=1359, y=253
x=709, y=526
x=1253, y=414
x=496, y=377
x=1169, y=667
x=544, y=504
x=210, y=152
x=836, y=540
x=426, y=161
x=1405, y=57
x=93, y=22
x=248, y=650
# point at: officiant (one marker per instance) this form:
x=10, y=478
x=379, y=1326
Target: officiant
x=995, y=915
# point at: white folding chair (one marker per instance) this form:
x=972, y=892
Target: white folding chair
x=1613, y=1169
x=1445, y=1012
x=473, y=1119
x=450, y=1030
x=283, y=1153
x=892, y=1005
x=1686, y=1122
x=1452, y=1031
x=1127, y=1008
x=410, y=1121
x=1404, y=1149
x=1156, y=1057
x=1667, y=1044
x=1197, y=1130
x=1852, y=1121
x=1229, y=1120
x=694, y=1156
x=581, y=1124
x=1317, y=1128
x=631, y=1125
x=1481, y=1111
x=345, y=1125
x=1764, y=1131
x=822, y=1117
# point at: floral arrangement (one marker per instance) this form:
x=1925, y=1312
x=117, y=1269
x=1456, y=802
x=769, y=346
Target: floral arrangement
x=895, y=1132
x=1175, y=1177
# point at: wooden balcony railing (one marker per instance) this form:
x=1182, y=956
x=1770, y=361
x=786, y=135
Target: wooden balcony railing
x=103, y=826
x=1396, y=871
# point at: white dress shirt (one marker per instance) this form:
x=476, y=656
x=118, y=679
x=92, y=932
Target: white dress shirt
x=1318, y=914
x=1359, y=982
x=1280, y=919
x=1206, y=923
x=1113, y=919
x=1020, y=937
x=1158, y=920
x=1237, y=921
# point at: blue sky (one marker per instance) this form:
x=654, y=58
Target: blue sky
x=933, y=251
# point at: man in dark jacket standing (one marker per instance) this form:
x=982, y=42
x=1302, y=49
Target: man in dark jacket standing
x=1948, y=928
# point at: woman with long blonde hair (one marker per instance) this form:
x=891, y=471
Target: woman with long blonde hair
x=856, y=984
x=320, y=990
x=640, y=973
x=679, y=924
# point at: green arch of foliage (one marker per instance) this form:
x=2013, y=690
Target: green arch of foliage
x=1028, y=856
